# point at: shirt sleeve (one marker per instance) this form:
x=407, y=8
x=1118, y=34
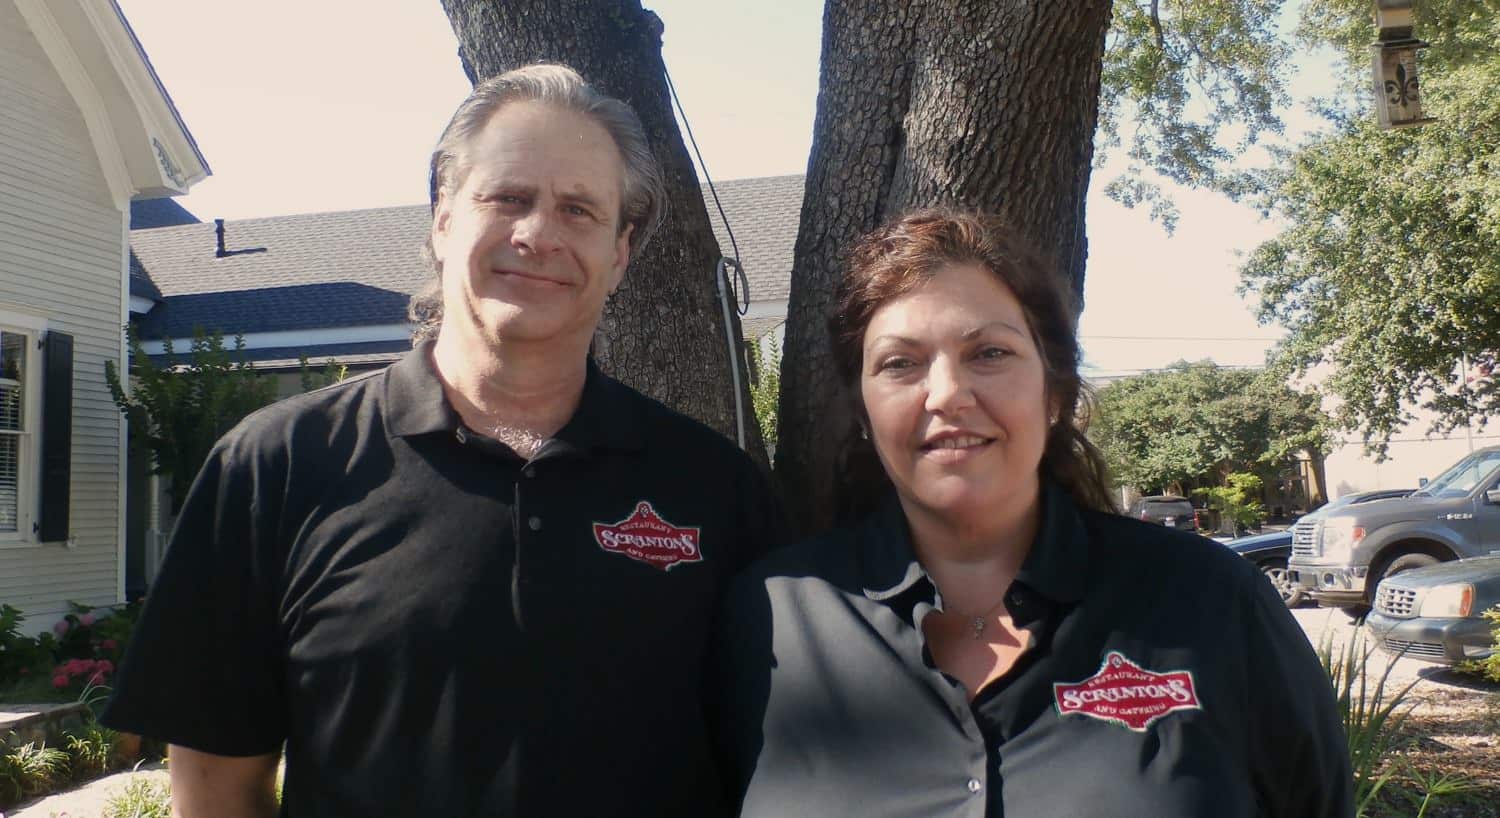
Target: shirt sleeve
x=204, y=666
x=1299, y=753
x=762, y=519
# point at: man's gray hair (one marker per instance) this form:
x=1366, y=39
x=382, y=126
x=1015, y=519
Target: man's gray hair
x=643, y=199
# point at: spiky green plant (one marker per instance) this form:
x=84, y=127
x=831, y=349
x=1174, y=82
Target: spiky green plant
x=32, y=768
x=1372, y=715
x=93, y=749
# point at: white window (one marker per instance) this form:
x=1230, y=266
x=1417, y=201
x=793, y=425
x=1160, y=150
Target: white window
x=20, y=405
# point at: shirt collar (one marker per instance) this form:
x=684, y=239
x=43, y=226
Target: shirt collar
x=1055, y=567
x=607, y=415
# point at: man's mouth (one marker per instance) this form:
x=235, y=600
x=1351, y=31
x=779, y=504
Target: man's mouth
x=530, y=276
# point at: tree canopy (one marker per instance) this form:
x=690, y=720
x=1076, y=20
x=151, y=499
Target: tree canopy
x=1194, y=423
x=1387, y=271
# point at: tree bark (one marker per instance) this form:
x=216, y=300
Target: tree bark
x=989, y=104
x=663, y=330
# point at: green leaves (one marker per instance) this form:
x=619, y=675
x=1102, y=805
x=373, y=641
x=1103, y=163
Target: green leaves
x=178, y=411
x=1196, y=422
x=1200, y=81
x=1388, y=270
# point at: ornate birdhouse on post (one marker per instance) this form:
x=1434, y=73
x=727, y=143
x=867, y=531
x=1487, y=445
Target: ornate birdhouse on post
x=1398, y=97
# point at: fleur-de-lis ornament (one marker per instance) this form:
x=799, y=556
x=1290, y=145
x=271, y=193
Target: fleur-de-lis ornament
x=1402, y=90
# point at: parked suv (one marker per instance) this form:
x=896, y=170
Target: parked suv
x=1339, y=559
x=1166, y=509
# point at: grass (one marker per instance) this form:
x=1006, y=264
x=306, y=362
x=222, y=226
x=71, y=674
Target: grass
x=141, y=798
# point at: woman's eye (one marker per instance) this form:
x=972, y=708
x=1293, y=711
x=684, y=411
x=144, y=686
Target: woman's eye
x=992, y=353
x=893, y=364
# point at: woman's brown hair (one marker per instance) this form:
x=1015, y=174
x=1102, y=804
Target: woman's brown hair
x=903, y=254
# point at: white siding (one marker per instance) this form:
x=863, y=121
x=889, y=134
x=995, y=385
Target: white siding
x=61, y=258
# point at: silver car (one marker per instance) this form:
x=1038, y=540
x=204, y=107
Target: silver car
x=1436, y=613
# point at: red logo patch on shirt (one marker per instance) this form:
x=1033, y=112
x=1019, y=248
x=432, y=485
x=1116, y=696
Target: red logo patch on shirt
x=646, y=537
x=1127, y=694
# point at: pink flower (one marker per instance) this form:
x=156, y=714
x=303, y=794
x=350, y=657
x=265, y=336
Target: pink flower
x=87, y=619
x=109, y=644
x=59, y=682
x=61, y=627
x=105, y=666
x=97, y=678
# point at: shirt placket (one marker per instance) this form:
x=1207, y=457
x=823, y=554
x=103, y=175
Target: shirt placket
x=973, y=778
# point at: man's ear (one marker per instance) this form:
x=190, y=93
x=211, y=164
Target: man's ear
x=622, y=257
x=442, y=215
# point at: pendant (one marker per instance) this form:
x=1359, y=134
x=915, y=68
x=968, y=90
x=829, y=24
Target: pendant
x=979, y=623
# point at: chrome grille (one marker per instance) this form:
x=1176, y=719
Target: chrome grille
x=1397, y=602
x=1305, y=539
x=1419, y=650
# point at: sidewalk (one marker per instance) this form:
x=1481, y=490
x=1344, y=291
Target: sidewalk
x=87, y=801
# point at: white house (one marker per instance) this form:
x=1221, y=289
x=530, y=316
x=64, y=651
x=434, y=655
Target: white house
x=85, y=128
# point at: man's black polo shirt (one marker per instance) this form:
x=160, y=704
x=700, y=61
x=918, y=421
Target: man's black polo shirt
x=435, y=627
x=1164, y=678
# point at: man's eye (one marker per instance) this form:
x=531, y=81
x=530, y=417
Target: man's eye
x=576, y=210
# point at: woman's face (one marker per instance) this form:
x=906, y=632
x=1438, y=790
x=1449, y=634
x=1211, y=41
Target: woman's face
x=955, y=392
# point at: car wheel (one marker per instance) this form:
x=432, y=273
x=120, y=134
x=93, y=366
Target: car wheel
x=1275, y=571
x=1406, y=562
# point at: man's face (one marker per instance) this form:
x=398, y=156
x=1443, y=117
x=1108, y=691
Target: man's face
x=530, y=244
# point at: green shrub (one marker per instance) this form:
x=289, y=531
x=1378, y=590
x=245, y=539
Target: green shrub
x=73, y=661
x=1488, y=667
x=765, y=388
x=1235, y=500
x=93, y=750
x=31, y=769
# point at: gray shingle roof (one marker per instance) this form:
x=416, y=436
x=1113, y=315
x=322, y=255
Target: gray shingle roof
x=348, y=268
x=764, y=214
x=151, y=213
x=360, y=267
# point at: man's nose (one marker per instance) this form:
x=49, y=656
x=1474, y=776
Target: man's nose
x=948, y=387
x=536, y=231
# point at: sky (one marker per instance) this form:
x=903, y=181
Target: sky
x=304, y=106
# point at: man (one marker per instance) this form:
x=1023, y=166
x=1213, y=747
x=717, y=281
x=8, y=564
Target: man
x=480, y=582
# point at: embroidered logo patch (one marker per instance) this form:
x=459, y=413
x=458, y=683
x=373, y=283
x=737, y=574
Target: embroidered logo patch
x=646, y=537
x=1127, y=694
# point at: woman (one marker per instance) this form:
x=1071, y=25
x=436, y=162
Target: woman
x=994, y=640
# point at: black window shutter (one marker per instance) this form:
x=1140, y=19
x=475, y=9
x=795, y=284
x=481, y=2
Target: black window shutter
x=57, y=435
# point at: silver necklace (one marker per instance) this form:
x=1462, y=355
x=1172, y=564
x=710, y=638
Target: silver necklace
x=982, y=621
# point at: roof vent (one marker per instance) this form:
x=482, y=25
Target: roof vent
x=219, y=233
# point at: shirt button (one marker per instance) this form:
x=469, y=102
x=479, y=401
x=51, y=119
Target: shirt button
x=535, y=523
x=529, y=471
x=1016, y=600
x=974, y=785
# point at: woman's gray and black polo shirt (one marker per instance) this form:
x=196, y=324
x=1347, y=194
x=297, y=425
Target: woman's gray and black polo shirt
x=1165, y=679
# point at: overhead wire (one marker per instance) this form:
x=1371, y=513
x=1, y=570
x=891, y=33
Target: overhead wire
x=722, y=281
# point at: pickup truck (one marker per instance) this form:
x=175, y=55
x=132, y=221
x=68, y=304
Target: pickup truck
x=1340, y=558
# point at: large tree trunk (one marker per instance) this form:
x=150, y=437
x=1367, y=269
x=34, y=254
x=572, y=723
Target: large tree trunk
x=980, y=103
x=663, y=331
